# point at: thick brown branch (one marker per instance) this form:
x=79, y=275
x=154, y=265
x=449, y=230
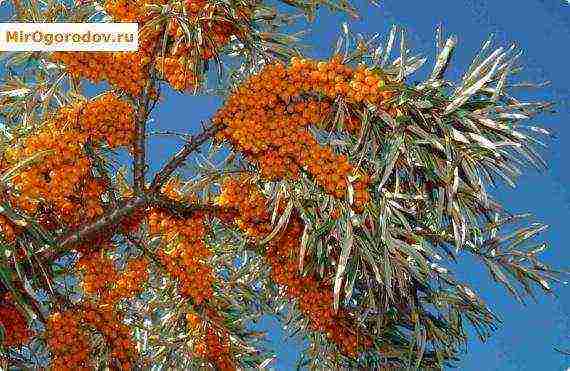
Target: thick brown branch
x=107, y=220
x=116, y=215
x=178, y=159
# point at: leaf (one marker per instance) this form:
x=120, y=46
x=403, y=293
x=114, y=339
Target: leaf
x=373, y=263
x=502, y=80
x=500, y=277
x=387, y=118
x=304, y=243
x=391, y=157
x=5, y=275
x=443, y=58
x=21, y=92
x=389, y=45
x=348, y=242
x=18, y=58
x=432, y=139
x=352, y=275
x=283, y=220
x=403, y=56
x=465, y=93
x=266, y=363
x=484, y=66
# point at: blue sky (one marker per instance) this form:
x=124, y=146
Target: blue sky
x=528, y=335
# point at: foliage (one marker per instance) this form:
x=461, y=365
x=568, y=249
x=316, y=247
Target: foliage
x=343, y=200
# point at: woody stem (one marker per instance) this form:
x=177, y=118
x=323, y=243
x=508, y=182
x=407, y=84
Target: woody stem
x=178, y=159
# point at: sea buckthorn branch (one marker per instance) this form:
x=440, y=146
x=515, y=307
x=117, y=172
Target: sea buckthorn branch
x=145, y=108
x=205, y=314
x=209, y=346
x=313, y=295
x=272, y=120
x=178, y=159
x=186, y=211
x=116, y=215
x=107, y=220
x=139, y=150
x=182, y=136
x=184, y=252
x=269, y=119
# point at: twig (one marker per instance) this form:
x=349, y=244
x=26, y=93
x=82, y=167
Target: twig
x=192, y=145
x=186, y=211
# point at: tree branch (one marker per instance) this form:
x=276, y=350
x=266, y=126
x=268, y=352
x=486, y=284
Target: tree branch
x=139, y=156
x=192, y=145
x=116, y=215
x=111, y=218
x=186, y=211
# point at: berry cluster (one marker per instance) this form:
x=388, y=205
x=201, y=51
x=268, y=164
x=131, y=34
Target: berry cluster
x=215, y=23
x=15, y=325
x=101, y=278
x=7, y=229
x=68, y=337
x=53, y=180
x=177, y=72
x=68, y=341
x=126, y=70
x=253, y=215
x=268, y=118
x=184, y=252
x=211, y=343
x=61, y=189
x=314, y=296
x=334, y=79
x=130, y=70
x=130, y=11
x=129, y=283
x=98, y=273
x=105, y=320
x=107, y=119
x=67, y=332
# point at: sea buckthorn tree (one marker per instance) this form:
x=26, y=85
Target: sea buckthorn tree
x=345, y=196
